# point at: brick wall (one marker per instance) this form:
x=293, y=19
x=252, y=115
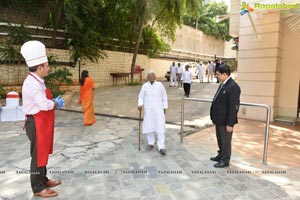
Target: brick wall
x=12, y=76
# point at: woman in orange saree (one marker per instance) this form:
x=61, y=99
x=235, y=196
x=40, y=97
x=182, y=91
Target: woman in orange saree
x=87, y=98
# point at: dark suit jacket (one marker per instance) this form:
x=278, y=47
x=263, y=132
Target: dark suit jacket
x=225, y=107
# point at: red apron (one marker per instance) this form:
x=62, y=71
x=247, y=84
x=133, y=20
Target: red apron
x=44, y=126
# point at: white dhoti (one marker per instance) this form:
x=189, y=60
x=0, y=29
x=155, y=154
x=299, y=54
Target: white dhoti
x=155, y=122
x=173, y=80
x=154, y=99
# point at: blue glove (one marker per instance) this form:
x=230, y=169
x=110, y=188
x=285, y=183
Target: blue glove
x=60, y=102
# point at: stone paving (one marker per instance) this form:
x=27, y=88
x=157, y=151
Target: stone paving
x=103, y=162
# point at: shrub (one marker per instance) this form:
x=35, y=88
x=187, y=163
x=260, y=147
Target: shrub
x=2, y=92
x=57, y=78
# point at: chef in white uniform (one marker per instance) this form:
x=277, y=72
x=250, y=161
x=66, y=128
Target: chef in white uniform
x=153, y=98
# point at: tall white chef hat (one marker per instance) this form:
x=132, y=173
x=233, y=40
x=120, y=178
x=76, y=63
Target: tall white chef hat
x=150, y=72
x=34, y=53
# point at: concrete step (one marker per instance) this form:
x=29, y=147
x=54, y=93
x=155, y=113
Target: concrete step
x=286, y=119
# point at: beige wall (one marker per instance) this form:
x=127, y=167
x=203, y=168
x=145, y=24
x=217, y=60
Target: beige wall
x=100, y=72
x=259, y=63
x=268, y=70
x=160, y=67
x=188, y=39
x=234, y=21
x=290, y=74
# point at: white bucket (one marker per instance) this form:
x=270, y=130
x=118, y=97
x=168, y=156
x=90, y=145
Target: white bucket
x=12, y=99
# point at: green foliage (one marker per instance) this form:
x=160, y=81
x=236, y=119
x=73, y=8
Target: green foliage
x=165, y=15
x=115, y=19
x=207, y=23
x=83, y=30
x=233, y=65
x=10, y=51
x=9, y=54
x=91, y=25
x=2, y=93
x=18, y=34
x=169, y=15
x=57, y=78
x=23, y=5
x=153, y=42
x=52, y=61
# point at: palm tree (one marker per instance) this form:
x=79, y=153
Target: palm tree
x=10, y=51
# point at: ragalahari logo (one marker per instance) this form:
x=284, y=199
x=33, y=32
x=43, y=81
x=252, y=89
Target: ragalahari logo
x=245, y=8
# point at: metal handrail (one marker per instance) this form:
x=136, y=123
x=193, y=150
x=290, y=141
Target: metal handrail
x=266, y=143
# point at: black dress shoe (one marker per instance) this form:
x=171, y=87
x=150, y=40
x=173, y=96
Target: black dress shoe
x=162, y=152
x=149, y=147
x=221, y=164
x=217, y=159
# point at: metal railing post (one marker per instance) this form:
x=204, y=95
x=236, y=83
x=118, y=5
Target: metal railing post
x=267, y=135
x=182, y=120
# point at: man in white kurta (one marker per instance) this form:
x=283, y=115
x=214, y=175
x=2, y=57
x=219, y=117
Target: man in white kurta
x=153, y=98
x=200, y=71
x=173, y=76
x=179, y=74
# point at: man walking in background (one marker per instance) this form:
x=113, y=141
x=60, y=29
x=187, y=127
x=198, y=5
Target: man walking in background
x=223, y=113
x=211, y=71
x=173, y=77
x=199, y=71
x=179, y=74
x=187, y=77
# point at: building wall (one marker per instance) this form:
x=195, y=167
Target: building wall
x=259, y=63
x=190, y=39
x=290, y=74
x=234, y=20
x=160, y=67
x=268, y=70
x=100, y=71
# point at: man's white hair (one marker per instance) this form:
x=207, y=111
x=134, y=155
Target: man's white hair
x=150, y=72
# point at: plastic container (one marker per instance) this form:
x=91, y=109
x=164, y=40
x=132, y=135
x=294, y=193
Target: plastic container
x=12, y=99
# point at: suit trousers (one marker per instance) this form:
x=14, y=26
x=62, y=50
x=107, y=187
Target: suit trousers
x=38, y=176
x=224, y=143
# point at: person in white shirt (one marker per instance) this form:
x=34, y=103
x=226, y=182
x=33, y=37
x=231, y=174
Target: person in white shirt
x=173, y=77
x=187, y=77
x=153, y=98
x=211, y=71
x=200, y=71
x=179, y=74
x=38, y=104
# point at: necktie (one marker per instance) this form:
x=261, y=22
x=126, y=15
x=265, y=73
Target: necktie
x=219, y=89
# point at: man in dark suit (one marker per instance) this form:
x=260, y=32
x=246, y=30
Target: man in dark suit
x=217, y=64
x=223, y=113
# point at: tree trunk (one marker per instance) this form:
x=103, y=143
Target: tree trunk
x=137, y=44
x=57, y=21
x=132, y=32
